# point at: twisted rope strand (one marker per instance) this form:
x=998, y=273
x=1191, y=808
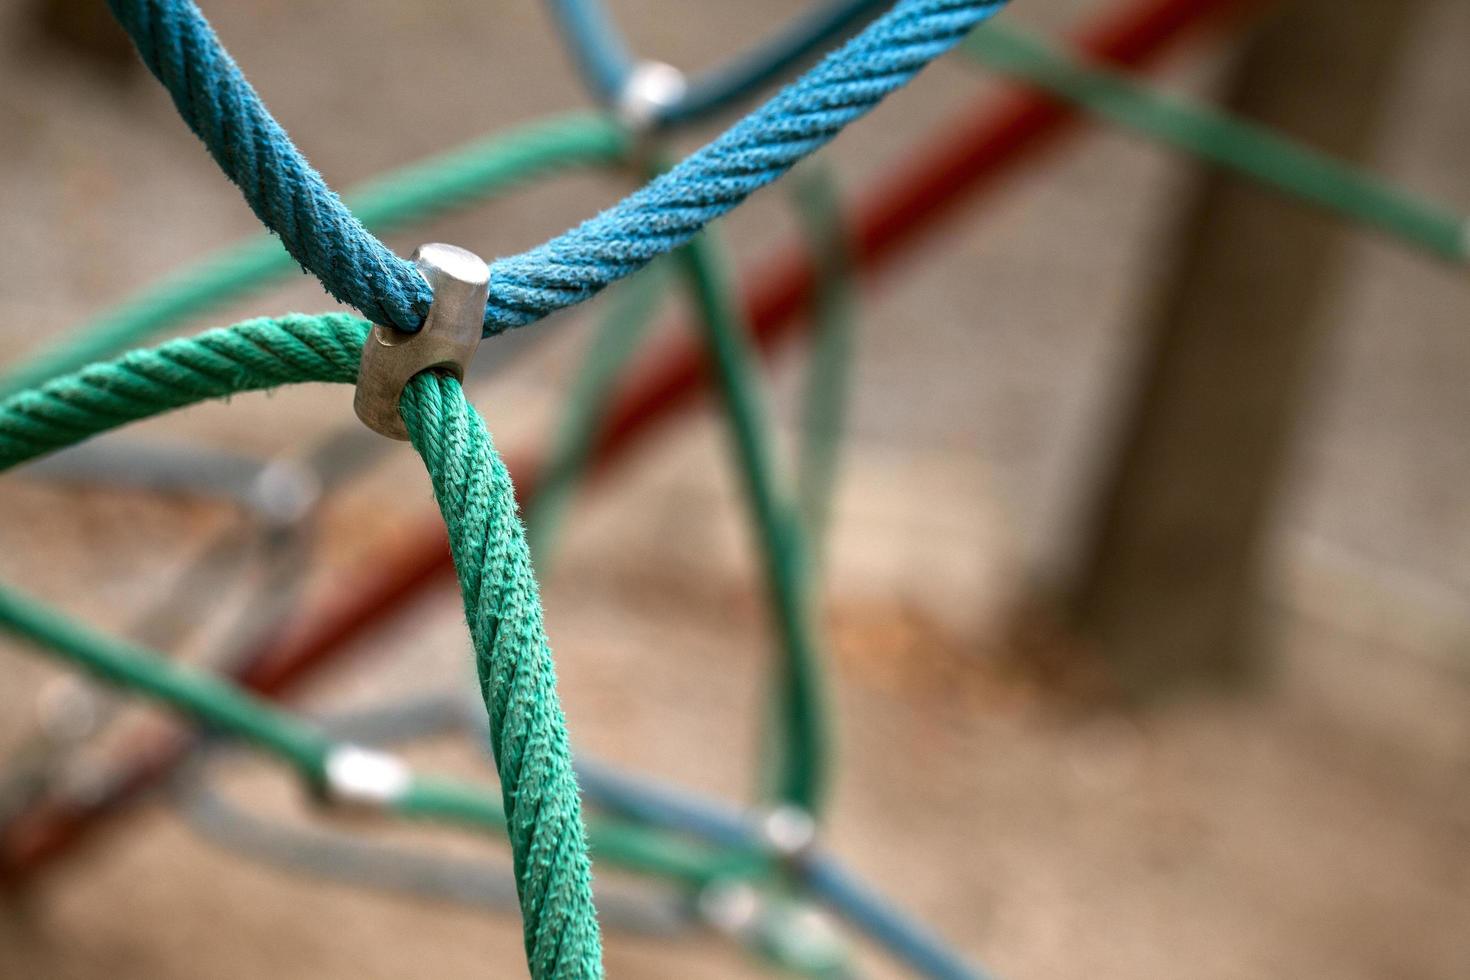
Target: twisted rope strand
x=668, y=211
x=213, y=97
x=517, y=677
x=219, y=105
x=256, y=354
x=502, y=604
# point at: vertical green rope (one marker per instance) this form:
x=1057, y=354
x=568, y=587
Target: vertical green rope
x=517, y=678
x=801, y=765
x=527, y=730
x=633, y=306
x=228, y=710
x=829, y=365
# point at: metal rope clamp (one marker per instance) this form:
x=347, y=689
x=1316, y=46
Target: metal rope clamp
x=651, y=89
x=460, y=281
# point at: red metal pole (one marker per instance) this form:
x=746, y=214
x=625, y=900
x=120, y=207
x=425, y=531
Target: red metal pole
x=970, y=154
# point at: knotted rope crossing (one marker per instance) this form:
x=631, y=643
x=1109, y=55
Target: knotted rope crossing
x=502, y=605
x=212, y=95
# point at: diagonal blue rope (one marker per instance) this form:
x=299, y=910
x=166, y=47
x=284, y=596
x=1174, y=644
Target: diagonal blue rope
x=669, y=210
x=219, y=105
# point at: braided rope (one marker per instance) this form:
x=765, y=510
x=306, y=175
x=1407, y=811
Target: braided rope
x=219, y=105
x=517, y=676
x=256, y=354
x=290, y=198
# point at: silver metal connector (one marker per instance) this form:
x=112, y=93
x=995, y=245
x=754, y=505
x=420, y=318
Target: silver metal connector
x=788, y=832
x=731, y=907
x=365, y=779
x=651, y=88
x=447, y=341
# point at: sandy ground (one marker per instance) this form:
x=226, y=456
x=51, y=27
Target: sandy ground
x=1319, y=827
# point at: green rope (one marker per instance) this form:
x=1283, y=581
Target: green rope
x=801, y=765
x=1251, y=150
x=517, y=677
x=257, y=354
x=214, y=702
x=829, y=366
x=224, y=707
x=482, y=169
x=518, y=680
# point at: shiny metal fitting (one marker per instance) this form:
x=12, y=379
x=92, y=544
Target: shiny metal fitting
x=364, y=779
x=446, y=342
x=733, y=907
x=651, y=88
x=788, y=832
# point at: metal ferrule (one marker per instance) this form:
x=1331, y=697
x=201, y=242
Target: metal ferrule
x=446, y=342
x=364, y=779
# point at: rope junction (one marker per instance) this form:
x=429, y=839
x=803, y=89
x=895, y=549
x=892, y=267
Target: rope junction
x=292, y=200
x=527, y=732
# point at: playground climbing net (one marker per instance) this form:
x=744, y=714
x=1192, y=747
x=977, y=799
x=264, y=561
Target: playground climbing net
x=733, y=860
x=397, y=358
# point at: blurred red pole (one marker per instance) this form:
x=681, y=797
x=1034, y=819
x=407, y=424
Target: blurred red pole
x=970, y=154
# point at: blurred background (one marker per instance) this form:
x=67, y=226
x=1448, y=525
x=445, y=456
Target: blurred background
x=1145, y=590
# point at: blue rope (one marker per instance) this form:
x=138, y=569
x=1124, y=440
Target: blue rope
x=668, y=211
x=219, y=105
x=603, y=59
x=286, y=194
x=601, y=54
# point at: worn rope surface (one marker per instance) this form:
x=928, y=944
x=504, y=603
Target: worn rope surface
x=479, y=170
x=518, y=679
x=262, y=353
x=212, y=95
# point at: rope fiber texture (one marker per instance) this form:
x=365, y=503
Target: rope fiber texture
x=517, y=676
x=219, y=105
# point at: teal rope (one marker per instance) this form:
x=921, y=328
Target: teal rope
x=219, y=105
x=256, y=354
x=518, y=680
x=517, y=677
